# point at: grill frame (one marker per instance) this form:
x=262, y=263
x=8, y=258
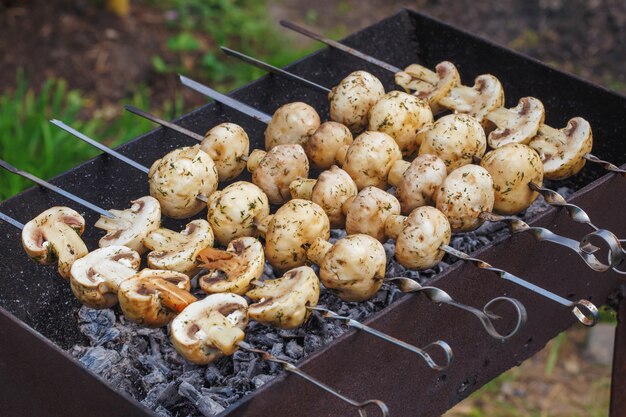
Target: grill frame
x=61, y=386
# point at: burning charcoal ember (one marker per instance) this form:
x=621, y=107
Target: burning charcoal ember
x=205, y=405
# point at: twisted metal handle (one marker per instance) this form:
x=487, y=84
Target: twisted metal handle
x=605, y=164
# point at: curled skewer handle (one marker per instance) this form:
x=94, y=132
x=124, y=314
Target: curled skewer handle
x=486, y=317
x=165, y=123
x=585, y=304
x=616, y=254
x=555, y=199
x=361, y=406
x=447, y=350
x=605, y=164
x=10, y=220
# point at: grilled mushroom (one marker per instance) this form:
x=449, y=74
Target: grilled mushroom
x=465, y=193
x=292, y=123
x=228, y=145
x=517, y=125
x=456, y=139
x=234, y=210
x=485, y=96
x=290, y=231
x=283, y=302
x=369, y=159
x=419, y=237
x=211, y=328
x=130, y=227
x=367, y=212
x=512, y=168
x=179, y=178
x=416, y=185
x=54, y=235
x=428, y=85
x=353, y=268
x=234, y=269
x=154, y=297
x=562, y=151
x=178, y=251
x=323, y=145
x=352, y=99
x=275, y=169
x=403, y=117
x=96, y=277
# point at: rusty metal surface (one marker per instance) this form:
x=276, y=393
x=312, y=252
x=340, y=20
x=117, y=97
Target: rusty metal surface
x=618, y=376
x=357, y=364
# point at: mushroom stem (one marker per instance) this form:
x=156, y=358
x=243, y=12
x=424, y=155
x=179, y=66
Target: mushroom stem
x=345, y=207
x=227, y=262
x=502, y=116
x=222, y=333
x=459, y=98
x=394, y=225
x=255, y=158
x=302, y=188
x=263, y=224
x=318, y=250
x=397, y=170
x=171, y=296
x=340, y=156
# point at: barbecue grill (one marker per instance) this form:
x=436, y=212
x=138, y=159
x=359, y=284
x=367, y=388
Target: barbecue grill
x=38, y=313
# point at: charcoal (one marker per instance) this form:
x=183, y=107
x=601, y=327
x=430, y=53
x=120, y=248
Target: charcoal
x=162, y=412
x=100, y=360
x=261, y=380
x=205, y=405
x=97, y=325
x=294, y=350
x=212, y=375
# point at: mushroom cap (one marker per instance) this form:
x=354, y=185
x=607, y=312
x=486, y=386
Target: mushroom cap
x=456, y=139
x=228, y=145
x=418, y=246
x=153, y=298
x=290, y=232
x=369, y=159
x=562, y=151
x=323, y=145
x=210, y=328
x=234, y=210
x=354, y=267
x=131, y=226
x=420, y=182
x=485, y=96
x=96, y=277
x=279, y=167
x=283, y=302
x=401, y=116
x=428, y=85
x=177, y=179
x=54, y=235
x=178, y=251
x=352, y=99
x=332, y=189
x=517, y=125
x=512, y=168
x=234, y=270
x=368, y=211
x=292, y=123
x=465, y=193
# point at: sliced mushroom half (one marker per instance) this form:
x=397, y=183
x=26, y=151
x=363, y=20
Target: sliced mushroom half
x=428, y=85
x=485, y=96
x=211, y=328
x=517, y=125
x=228, y=145
x=54, y=235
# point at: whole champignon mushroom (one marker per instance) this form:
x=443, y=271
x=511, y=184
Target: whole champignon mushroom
x=369, y=159
x=419, y=237
x=233, y=211
x=323, y=145
x=274, y=170
x=283, y=302
x=228, y=145
x=353, y=268
x=517, y=125
x=54, y=235
x=456, y=139
x=175, y=251
x=153, y=298
x=428, y=85
x=292, y=123
x=290, y=232
x=562, y=150
x=512, y=168
x=485, y=96
x=465, y=193
x=368, y=211
x=416, y=186
x=211, y=328
x=179, y=178
x=130, y=227
x=234, y=269
x=96, y=277
x=403, y=117
x=352, y=99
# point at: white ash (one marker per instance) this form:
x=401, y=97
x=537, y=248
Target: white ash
x=142, y=362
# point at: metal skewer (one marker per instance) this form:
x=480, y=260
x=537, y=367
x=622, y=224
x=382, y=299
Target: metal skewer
x=10, y=220
x=56, y=189
x=165, y=123
x=423, y=352
x=295, y=370
x=485, y=315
